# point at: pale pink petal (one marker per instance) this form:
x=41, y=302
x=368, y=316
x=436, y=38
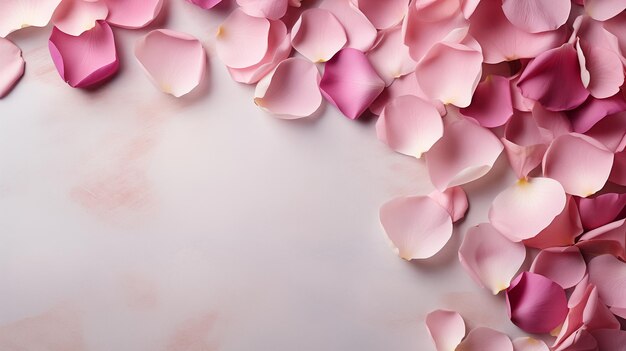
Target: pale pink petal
x=526, y=343
x=608, y=274
x=359, y=30
x=446, y=329
x=562, y=231
x=291, y=91
x=409, y=125
x=242, y=40
x=465, y=153
x=581, y=164
x=594, y=110
x=390, y=57
x=205, y=4
x=405, y=85
x=611, y=132
x=610, y=339
x=489, y=258
x=491, y=105
x=76, y=16
x=536, y=16
x=417, y=226
x=450, y=73
x=454, y=200
x=468, y=7
x=606, y=73
x=600, y=210
x=553, y=79
x=618, y=173
x=350, y=82
x=485, y=339
x=17, y=14
x=132, y=13
x=175, y=62
x=271, y=9
x=11, y=66
x=87, y=59
x=523, y=210
x=523, y=143
x=615, y=29
x=437, y=10
x=564, y=265
x=603, y=10
x=315, y=44
x=383, y=14
x=535, y=303
x=607, y=239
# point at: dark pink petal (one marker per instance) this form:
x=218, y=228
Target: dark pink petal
x=446, y=329
x=608, y=274
x=77, y=16
x=553, y=79
x=390, y=57
x=562, y=231
x=242, y=40
x=132, y=13
x=270, y=9
x=205, y=4
x=600, y=210
x=594, y=110
x=535, y=303
x=383, y=14
x=607, y=239
x=11, y=66
x=618, y=173
x=603, y=10
x=18, y=14
x=556, y=122
x=611, y=132
x=610, y=339
x=536, y=16
x=452, y=199
x=87, y=59
x=527, y=343
x=315, y=44
x=564, y=265
x=485, y=339
x=350, y=82
x=360, y=31
x=491, y=105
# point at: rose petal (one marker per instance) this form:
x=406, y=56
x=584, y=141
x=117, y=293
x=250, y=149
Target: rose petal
x=562, y=231
x=604, y=67
x=87, y=59
x=594, y=110
x=600, y=210
x=446, y=329
x=491, y=105
x=618, y=173
x=271, y=9
x=132, y=13
x=416, y=225
x=205, y=4
x=11, y=66
x=534, y=16
x=242, y=40
x=350, y=82
x=555, y=122
x=485, y=339
x=526, y=343
x=602, y=10
x=74, y=17
x=563, y=265
x=523, y=210
x=291, y=91
x=523, y=143
x=581, y=164
x=611, y=132
x=390, y=57
x=315, y=44
x=409, y=125
x=607, y=239
x=610, y=339
x=17, y=14
x=385, y=14
x=490, y=259
x=359, y=30
x=454, y=200
x=406, y=85
x=608, y=274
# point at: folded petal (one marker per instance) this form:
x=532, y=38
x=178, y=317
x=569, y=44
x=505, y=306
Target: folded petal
x=523, y=210
x=359, y=30
x=491, y=105
x=409, y=125
x=535, y=303
x=242, y=40
x=608, y=274
x=405, y=85
x=350, y=82
x=523, y=143
x=564, y=265
x=611, y=132
x=465, y=153
x=602, y=10
x=390, y=57
x=534, y=16
x=600, y=210
x=553, y=78
x=581, y=164
x=607, y=239
x=454, y=200
x=11, y=66
x=446, y=329
x=416, y=225
x=383, y=14
x=205, y=4
x=271, y=9
x=594, y=110
x=175, y=62
x=526, y=343
x=315, y=44
x=132, y=13
x=489, y=258
x=485, y=339
x=562, y=231
x=604, y=67
x=291, y=91
x=555, y=122
x=86, y=59
x=73, y=17
x=618, y=173
x=18, y=14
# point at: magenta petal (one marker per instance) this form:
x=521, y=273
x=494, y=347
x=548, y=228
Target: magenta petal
x=485, y=339
x=594, y=110
x=452, y=199
x=564, y=265
x=608, y=274
x=11, y=66
x=446, y=329
x=87, y=59
x=600, y=210
x=132, y=13
x=205, y=4
x=491, y=105
x=350, y=82
x=535, y=303
x=618, y=173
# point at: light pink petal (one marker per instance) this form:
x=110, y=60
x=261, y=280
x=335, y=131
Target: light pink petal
x=18, y=14
x=132, y=13
x=87, y=59
x=553, y=79
x=607, y=239
x=205, y=4
x=175, y=62
x=359, y=30
x=76, y=16
x=581, y=164
x=600, y=210
x=383, y=14
x=409, y=125
x=11, y=66
x=502, y=41
x=485, y=339
x=523, y=143
x=523, y=129
x=594, y=110
x=523, y=210
x=520, y=102
x=535, y=303
x=608, y=274
x=611, y=132
x=446, y=329
x=534, y=16
x=416, y=225
x=242, y=40
x=562, y=231
x=291, y=91
x=465, y=153
x=271, y=9
x=454, y=200
x=602, y=10
x=564, y=265
x=618, y=173
x=610, y=339
x=437, y=10
x=620, y=312
x=489, y=258
x=390, y=57
x=350, y=82
x=491, y=105
x=450, y=73
x=315, y=44
x=406, y=85
x=604, y=67
x=615, y=29
x=526, y=343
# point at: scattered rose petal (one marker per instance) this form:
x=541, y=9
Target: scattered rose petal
x=611, y=132
x=11, y=66
x=242, y=40
x=383, y=14
x=271, y=9
x=359, y=30
x=315, y=44
x=446, y=329
x=454, y=200
x=205, y=4
x=610, y=339
x=604, y=67
x=608, y=274
x=491, y=105
x=18, y=14
x=602, y=10
x=527, y=343
x=132, y=14
x=562, y=231
x=390, y=57
x=618, y=173
x=563, y=265
x=406, y=85
x=595, y=110
x=607, y=239
x=524, y=143
x=534, y=16
x=485, y=339
x=74, y=17
x=600, y=210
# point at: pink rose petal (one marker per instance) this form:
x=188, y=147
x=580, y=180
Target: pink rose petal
x=74, y=17
x=618, y=173
x=11, y=66
x=527, y=343
x=132, y=13
x=604, y=67
x=87, y=59
x=205, y=4
x=611, y=132
x=315, y=44
x=608, y=274
x=555, y=122
x=490, y=259
x=600, y=210
x=416, y=225
x=406, y=85
x=607, y=239
x=270, y=9
x=562, y=231
x=564, y=265
x=534, y=16
x=491, y=105
x=602, y=10
x=359, y=30
x=350, y=82
x=595, y=110
x=390, y=57
x=383, y=14
x=485, y=339
x=580, y=340
x=242, y=40
x=446, y=329
x=610, y=339
x=523, y=143
x=18, y=14
x=454, y=200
